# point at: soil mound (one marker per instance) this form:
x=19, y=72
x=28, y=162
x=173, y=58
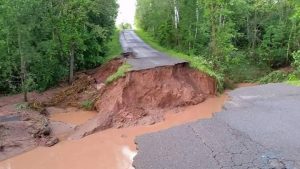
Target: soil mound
x=142, y=97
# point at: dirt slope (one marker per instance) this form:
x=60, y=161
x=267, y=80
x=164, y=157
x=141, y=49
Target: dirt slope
x=142, y=97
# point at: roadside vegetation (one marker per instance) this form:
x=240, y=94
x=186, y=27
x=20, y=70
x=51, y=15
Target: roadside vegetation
x=238, y=41
x=44, y=42
x=114, y=48
x=121, y=72
x=87, y=105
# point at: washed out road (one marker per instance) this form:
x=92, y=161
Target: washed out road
x=259, y=128
x=144, y=56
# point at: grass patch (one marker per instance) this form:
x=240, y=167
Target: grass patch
x=121, y=72
x=294, y=79
x=87, y=105
x=281, y=77
x=114, y=47
x=293, y=82
x=196, y=62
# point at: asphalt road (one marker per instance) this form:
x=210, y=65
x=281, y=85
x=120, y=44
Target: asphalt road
x=144, y=57
x=259, y=128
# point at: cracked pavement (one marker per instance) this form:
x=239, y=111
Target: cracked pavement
x=259, y=128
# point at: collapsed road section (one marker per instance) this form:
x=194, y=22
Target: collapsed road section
x=156, y=83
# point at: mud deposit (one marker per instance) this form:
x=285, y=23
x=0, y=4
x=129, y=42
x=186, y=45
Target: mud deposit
x=23, y=131
x=109, y=149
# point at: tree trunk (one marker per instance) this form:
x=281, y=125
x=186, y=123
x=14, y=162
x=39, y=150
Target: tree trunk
x=288, y=45
x=71, y=71
x=255, y=34
x=23, y=68
x=248, y=32
x=7, y=42
x=197, y=22
x=213, y=44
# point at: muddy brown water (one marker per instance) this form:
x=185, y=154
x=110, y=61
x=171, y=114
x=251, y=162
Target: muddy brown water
x=110, y=149
x=74, y=117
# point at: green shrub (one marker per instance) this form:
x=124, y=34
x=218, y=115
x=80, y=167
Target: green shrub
x=294, y=83
x=87, y=105
x=293, y=79
x=239, y=69
x=121, y=72
x=296, y=64
x=275, y=77
x=114, y=48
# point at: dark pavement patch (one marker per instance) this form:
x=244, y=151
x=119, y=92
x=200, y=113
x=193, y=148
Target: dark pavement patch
x=259, y=128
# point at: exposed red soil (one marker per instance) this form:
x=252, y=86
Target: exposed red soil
x=102, y=73
x=142, y=97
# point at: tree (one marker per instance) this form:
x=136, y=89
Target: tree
x=44, y=41
x=255, y=31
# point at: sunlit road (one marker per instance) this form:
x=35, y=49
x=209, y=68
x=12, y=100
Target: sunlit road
x=144, y=57
x=259, y=128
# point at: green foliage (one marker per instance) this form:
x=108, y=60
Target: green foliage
x=121, y=72
x=114, y=48
x=275, y=77
x=87, y=105
x=239, y=68
x=241, y=39
x=294, y=79
x=296, y=64
x=37, y=38
x=294, y=83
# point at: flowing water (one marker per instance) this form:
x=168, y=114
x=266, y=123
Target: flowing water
x=110, y=149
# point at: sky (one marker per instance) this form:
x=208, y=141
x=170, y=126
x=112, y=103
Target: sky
x=126, y=11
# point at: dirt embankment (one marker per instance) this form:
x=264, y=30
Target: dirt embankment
x=142, y=97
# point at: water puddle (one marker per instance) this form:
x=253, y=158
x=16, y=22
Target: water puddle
x=110, y=149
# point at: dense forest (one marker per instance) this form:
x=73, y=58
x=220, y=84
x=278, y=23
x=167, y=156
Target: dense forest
x=44, y=41
x=241, y=39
